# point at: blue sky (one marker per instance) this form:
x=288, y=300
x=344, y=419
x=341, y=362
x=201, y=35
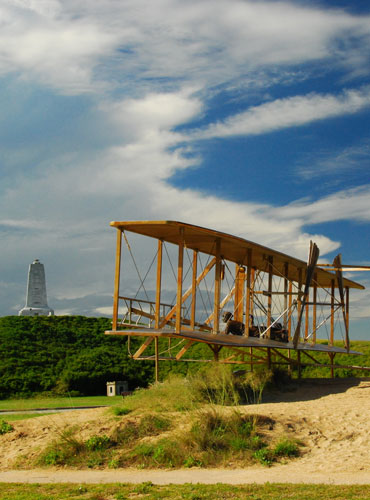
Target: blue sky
x=251, y=117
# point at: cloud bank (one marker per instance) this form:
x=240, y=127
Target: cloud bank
x=146, y=70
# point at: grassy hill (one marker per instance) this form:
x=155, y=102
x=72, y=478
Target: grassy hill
x=71, y=355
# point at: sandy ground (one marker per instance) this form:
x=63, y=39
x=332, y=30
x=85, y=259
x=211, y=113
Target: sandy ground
x=332, y=419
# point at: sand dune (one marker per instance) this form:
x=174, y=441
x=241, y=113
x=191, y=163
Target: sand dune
x=331, y=418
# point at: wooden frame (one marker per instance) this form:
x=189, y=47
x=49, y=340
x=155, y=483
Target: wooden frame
x=256, y=268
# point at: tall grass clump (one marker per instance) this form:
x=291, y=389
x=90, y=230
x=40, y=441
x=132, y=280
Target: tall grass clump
x=5, y=427
x=217, y=384
x=174, y=394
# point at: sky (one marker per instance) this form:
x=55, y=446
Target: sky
x=249, y=117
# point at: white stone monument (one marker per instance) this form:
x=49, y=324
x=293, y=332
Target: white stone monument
x=36, y=301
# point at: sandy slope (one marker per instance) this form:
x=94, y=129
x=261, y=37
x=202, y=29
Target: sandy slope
x=333, y=420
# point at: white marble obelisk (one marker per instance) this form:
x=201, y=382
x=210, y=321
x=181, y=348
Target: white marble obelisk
x=36, y=301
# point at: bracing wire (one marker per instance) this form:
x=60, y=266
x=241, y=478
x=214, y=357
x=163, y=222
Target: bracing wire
x=137, y=270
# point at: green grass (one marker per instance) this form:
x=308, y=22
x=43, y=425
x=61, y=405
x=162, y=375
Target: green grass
x=33, y=403
x=149, y=491
x=213, y=437
x=5, y=427
x=22, y=416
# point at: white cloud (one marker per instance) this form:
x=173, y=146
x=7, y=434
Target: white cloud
x=345, y=161
x=288, y=112
x=352, y=204
x=76, y=46
x=125, y=52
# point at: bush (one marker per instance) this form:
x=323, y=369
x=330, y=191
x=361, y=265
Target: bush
x=5, y=427
x=286, y=448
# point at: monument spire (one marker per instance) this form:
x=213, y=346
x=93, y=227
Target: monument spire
x=36, y=301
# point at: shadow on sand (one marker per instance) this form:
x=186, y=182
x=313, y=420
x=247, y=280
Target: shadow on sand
x=310, y=389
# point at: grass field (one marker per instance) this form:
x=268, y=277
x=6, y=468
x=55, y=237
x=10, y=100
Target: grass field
x=149, y=491
x=33, y=403
x=21, y=416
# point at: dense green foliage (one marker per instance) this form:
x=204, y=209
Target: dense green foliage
x=63, y=355
x=71, y=355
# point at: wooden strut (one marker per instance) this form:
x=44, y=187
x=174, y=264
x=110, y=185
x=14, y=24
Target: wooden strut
x=216, y=306
x=337, y=262
x=117, y=279
x=180, y=269
x=311, y=265
x=202, y=275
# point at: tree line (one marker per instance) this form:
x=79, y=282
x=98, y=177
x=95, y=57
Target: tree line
x=71, y=355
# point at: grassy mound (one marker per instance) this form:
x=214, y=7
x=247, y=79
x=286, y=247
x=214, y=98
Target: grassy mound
x=179, y=423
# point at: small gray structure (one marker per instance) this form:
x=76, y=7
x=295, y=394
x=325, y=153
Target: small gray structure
x=117, y=388
x=36, y=301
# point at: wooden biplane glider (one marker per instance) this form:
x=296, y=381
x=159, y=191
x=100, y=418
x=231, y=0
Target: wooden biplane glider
x=275, y=304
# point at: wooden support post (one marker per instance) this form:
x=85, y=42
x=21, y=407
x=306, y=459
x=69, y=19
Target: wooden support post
x=117, y=279
x=156, y=358
x=299, y=365
x=159, y=282
x=180, y=269
x=314, y=309
x=248, y=293
x=142, y=348
x=188, y=292
x=251, y=307
x=239, y=293
x=216, y=307
x=347, y=314
x=307, y=318
x=332, y=310
x=285, y=317
x=251, y=357
x=299, y=307
x=290, y=309
x=194, y=289
x=269, y=297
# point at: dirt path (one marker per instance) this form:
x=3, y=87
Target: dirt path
x=332, y=421
x=277, y=474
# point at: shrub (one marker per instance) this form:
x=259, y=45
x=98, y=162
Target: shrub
x=264, y=456
x=5, y=427
x=98, y=443
x=287, y=448
x=120, y=410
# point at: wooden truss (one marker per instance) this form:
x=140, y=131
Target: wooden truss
x=262, y=278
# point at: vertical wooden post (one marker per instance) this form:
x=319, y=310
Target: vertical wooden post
x=269, y=298
x=216, y=307
x=299, y=307
x=248, y=293
x=314, y=309
x=117, y=279
x=158, y=305
x=180, y=268
x=347, y=315
x=290, y=307
x=239, y=293
x=159, y=283
x=156, y=368
x=251, y=302
x=285, y=317
x=194, y=289
x=299, y=365
x=307, y=319
x=251, y=357
x=332, y=303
